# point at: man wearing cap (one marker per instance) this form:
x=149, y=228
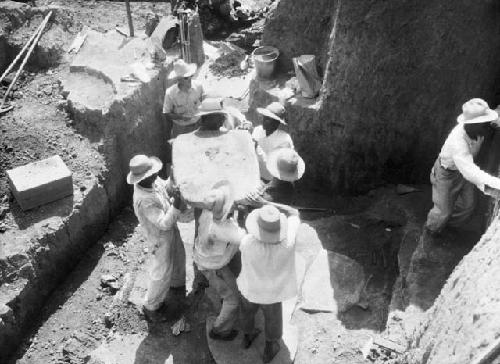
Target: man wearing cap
x=454, y=172
x=157, y=217
x=269, y=137
x=215, y=254
x=268, y=275
x=183, y=99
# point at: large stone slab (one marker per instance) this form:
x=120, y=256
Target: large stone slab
x=201, y=159
x=40, y=182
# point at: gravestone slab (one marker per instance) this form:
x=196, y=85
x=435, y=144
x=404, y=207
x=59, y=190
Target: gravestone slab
x=40, y=182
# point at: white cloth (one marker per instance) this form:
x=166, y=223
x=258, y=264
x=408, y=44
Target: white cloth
x=157, y=219
x=266, y=144
x=268, y=273
x=183, y=103
x=458, y=153
x=217, y=242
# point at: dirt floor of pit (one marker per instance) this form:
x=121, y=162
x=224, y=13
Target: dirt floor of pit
x=81, y=314
x=37, y=127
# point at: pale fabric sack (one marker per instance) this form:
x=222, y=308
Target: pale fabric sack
x=307, y=75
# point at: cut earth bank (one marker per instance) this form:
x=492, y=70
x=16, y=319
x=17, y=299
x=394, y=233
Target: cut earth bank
x=76, y=106
x=106, y=131
x=109, y=122
x=395, y=75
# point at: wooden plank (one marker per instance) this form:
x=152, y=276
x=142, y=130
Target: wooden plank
x=201, y=159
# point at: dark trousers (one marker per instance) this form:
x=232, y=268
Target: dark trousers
x=453, y=196
x=273, y=318
x=279, y=191
x=199, y=281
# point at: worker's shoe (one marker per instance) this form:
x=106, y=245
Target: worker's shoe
x=248, y=339
x=229, y=336
x=272, y=348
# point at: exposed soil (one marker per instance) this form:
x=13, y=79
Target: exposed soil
x=83, y=312
x=228, y=65
x=37, y=129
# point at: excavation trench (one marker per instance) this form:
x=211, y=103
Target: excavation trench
x=113, y=121
x=107, y=126
x=110, y=121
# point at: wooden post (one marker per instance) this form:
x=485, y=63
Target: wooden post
x=129, y=17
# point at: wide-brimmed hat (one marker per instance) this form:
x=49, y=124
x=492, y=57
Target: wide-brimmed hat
x=221, y=198
x=285, y=164
x=182, y=69
x=211, y=105
x=267, y=224
x=274, y=111
x=141, y=167
x=476, y=111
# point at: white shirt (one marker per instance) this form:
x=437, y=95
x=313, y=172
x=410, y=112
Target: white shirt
x=217, y=242
x=458, y=153
x=268, y=272
x=278, y=139
x=184, y=103
x=154, y=212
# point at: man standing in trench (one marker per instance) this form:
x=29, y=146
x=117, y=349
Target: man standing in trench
x=182, y=99
x=158, y=215
x=269, y=136
x=454, y=172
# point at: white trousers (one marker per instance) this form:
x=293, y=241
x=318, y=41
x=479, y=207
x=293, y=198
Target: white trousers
x=167, y=268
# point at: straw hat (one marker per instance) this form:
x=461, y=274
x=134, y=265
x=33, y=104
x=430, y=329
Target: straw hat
x=211, y=105
x=274, y=111
x=141, y=167
x=221, y=198
x=267, y=224
x=476, y=111
x=182, y=69
x=285, y=164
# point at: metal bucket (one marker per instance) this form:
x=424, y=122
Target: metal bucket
x=264, y=59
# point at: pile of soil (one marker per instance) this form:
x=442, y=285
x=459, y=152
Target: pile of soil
x=228, y=65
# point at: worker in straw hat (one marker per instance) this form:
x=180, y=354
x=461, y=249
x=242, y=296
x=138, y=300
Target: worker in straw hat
x=285, y=166
x=182, y=99
x=214, y=115
x=269, y=136
x=454, y=173
x=268, y=274
x=216, y=255
x=157, y=215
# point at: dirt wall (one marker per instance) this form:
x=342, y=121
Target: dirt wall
x=397, y=73
x=299, y=27
x=465, y=320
